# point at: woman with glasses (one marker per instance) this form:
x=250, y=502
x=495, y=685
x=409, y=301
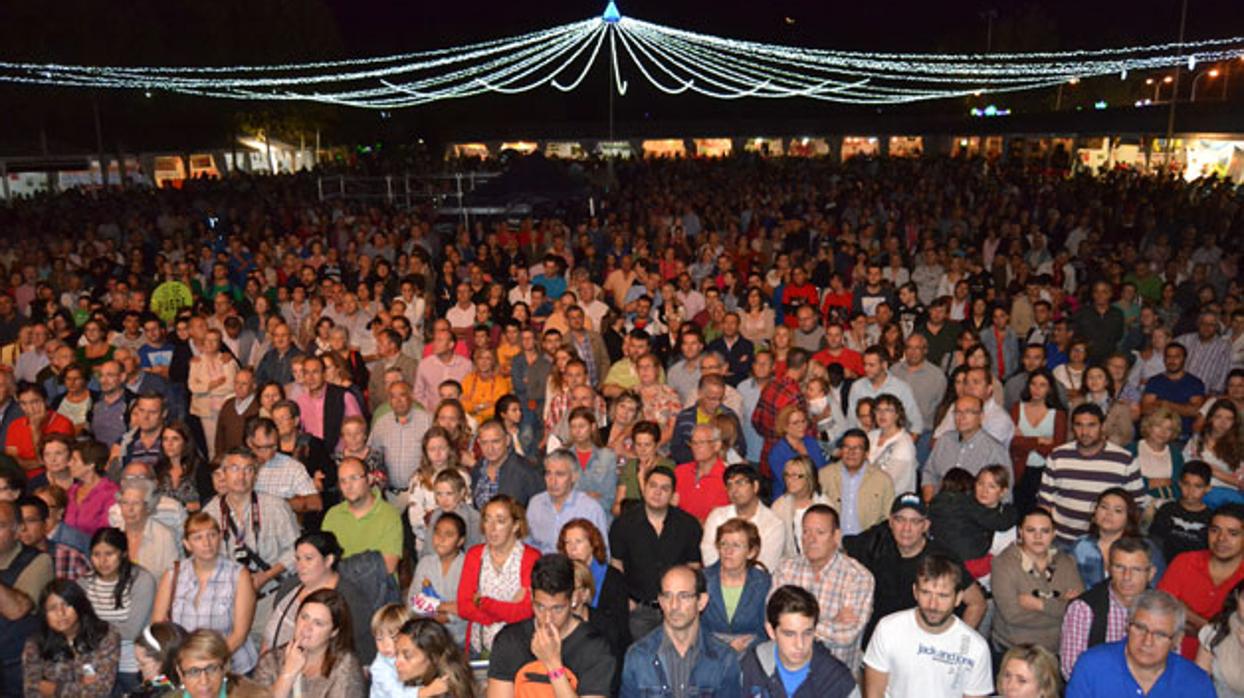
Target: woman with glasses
x=803, y=489
x=792, y=425
x=737, y=587
x=202, y=668
x=209, y=591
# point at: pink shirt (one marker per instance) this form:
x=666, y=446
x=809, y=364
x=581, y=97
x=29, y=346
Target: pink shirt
x=311, y=409
x=432, y=372
x=92, y=513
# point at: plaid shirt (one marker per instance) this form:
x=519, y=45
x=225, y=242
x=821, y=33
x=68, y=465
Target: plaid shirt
x=842, y=583
x=1076, y=625
x=779, y=393
x=68, y=562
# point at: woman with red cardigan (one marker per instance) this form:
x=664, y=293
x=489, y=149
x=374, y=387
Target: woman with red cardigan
x=496, y=575
x=1040, y=426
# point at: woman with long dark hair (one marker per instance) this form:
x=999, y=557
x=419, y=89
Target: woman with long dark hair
x=73, y=653
x=1218, y=443
x=121, y=593
x=319, y=660
x=1040, y=426
x=1115, y=516
x=1221, y=654
x=427, y=653
x=181, y=471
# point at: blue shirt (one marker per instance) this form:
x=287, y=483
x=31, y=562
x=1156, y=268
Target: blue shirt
x=791, y=680
x=1102, y=672
x=546, y=522
x=554, y=286
x=1181, y=392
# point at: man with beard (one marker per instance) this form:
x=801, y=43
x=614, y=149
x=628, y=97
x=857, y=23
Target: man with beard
x=926, y=650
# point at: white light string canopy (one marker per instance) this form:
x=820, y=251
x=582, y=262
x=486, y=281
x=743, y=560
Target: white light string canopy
x=673, y=61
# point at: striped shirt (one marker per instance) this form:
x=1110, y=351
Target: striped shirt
x=130, y=618
x=1072, y=481
x=1078, y=623
x=211, y=607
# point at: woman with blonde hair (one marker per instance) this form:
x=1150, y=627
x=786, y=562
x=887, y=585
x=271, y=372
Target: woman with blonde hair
x=1029, y=671
x=803, y=489
x=1161, y=462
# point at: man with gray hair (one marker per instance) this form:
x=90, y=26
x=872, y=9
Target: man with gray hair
x=560, y=502
x=1145, y=661
x=702, y=480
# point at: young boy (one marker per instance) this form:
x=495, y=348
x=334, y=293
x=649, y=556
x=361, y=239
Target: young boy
x=434, y=589
x=385, y=623
x=1183, y=525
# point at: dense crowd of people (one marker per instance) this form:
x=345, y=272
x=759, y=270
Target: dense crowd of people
x=782, y=428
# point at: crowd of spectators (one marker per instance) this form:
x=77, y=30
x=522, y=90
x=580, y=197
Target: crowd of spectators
x=896, y=427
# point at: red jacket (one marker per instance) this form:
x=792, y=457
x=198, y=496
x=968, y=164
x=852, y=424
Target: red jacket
x=489, y=611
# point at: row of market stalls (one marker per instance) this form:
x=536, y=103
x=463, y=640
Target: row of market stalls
x=26, y=176
x=1195, y=154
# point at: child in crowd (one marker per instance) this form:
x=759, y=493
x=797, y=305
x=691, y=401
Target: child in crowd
x=434, y=589
x=452, y=497
x=825, y=411
x=1183, y=524
x=385, y=623
x=968, y=512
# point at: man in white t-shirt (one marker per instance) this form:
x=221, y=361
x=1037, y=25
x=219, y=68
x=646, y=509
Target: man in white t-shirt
x=926, y=651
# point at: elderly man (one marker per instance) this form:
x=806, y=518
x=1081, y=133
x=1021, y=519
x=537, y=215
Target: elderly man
x=1143, y=663
x=743, y=488
x=278, y=474
x=842, y=586
x=24, y=572
x=500, y=470
x=702, y=479
x=968, y=447
x=714, y=364
x=135, y=379
x=237, y=410
x=680, y=654
x=363, y=521
x=398, y=435
x=277, y=363
x=560, y=502
x=1099, y=615
x=706, y=407
x=858, y=490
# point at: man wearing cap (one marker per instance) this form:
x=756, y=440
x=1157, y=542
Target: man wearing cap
x=892, y=550
x=743, y=488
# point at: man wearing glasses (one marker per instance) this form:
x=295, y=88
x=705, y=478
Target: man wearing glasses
x=363, y=520
x=1203, y=579
x=1143, y=663
x=969, y=447
x=1099, y=615
x=556, y=643
x=859, y=491
x=679, y=658
x=279, y=475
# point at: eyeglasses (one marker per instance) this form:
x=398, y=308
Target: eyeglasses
x=199, y=672
x=233, y=469
x=1142, y=629
x=1121, y=570
x=703, y=442
x=678, y=596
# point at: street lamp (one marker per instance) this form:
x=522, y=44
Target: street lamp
x=1058, y=100
x=1212, y=73
x=1157, y=85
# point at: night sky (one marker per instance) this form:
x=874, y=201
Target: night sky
x=246, y=31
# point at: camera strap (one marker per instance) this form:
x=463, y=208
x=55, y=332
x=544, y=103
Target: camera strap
x=231, y=526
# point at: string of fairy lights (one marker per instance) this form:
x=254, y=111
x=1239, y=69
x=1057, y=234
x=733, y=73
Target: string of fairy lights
x=673, y=61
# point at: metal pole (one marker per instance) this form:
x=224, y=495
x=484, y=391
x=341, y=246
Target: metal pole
x=99, y=144
x=319, y=186
x=1170, y=116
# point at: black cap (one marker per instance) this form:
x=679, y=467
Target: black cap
x=908, y=500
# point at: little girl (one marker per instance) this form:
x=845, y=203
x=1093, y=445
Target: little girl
x=825, y=409
x=968, y=513
x=450, y=492
x=434, y=589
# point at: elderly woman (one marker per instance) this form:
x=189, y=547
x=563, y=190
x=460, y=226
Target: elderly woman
x=483, y=386
x=92, y=493
x=317, y=555
x=1032, y=583
x=803, y=489
x=792, y=425
x=319, y=660
x=203, y=669
x=210, y=591
x=74, y=652
x=151, y=544
x=496, y=576
x=181, y=471
x=211, y=384
x=119, y=592
x=1161, y=462
x=737, y=587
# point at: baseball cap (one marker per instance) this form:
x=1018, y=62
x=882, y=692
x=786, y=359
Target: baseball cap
x=908, y=500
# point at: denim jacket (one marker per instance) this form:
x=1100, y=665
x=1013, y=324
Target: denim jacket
x=601, y=477
x=716, y=674
x=749, y=617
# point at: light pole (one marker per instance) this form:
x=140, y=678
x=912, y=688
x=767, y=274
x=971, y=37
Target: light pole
x=1170, y=116
x=1058, y=100
x=1212, y=73
x=1157, y=85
